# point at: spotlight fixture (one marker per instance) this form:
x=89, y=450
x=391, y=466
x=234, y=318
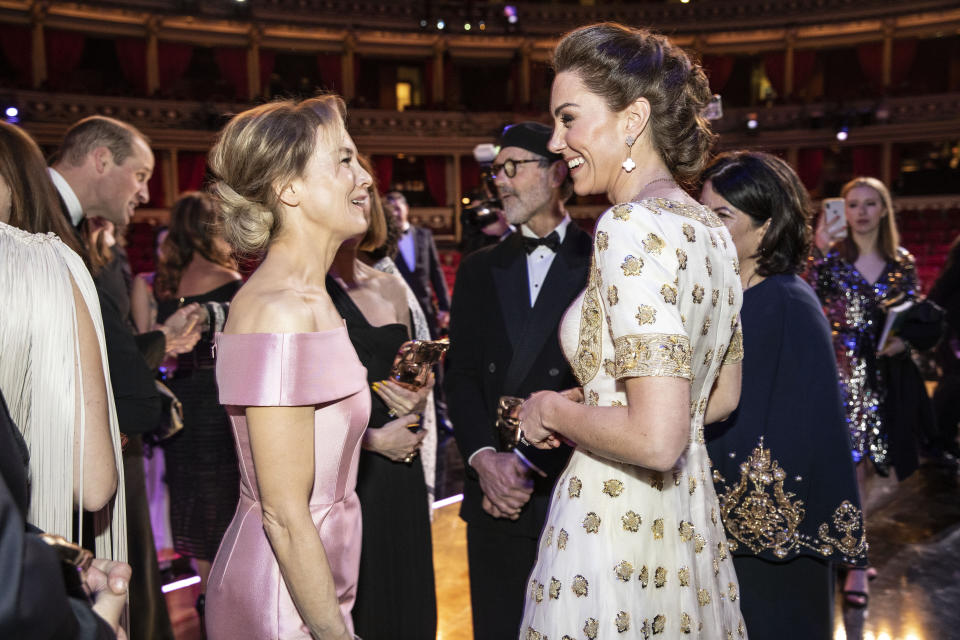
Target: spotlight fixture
x=510, y=12
x=441, y=25
x=467, y=26
x=11, y=112
x=423, y=24
x=843, y=133
x=483, y=25
x=752, y=122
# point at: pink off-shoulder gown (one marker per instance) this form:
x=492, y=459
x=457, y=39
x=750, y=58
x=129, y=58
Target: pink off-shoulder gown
x=246, y=595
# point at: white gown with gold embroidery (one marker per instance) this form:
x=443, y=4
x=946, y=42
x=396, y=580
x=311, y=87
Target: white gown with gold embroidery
x=627, y=552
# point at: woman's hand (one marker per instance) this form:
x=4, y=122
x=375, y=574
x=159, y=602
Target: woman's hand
x=826, y=236
x=401, y=400
x=106, y=582
x=533, y=426
x=394, y=440
x=895, y=346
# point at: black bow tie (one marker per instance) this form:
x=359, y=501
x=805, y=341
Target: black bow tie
x=550, y=241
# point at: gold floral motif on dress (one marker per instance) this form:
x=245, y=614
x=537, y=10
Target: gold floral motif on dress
x=616, y=403
x=693, y=211
x=732, y=591
x=656, y=480
x=653, y=354
x=590, y=628
x=643, y=576
x=562, y=539
x=632, y=265
x=730, y=296
x=705, y=329
x=716, y=571
x=709, y=265
x=681, y=259
x=708, y=357
x=653, y=243
x=623, y=622
x=574, y=487
x=659, y=623
x=534, y=635
x=703, y=597
x=593, y=398
x=715, y=297
x=685, y=622
x=610, y=368
x=660, y=577
x=686, y=531
x=586, y=362
x=613, y=296
x=692, y=486
x=699, y=542
x=760, y=514
x=536, y=591
x=683, y=575
x=548, y=540
x=646, y=314
x=621, y=212
x=735, y=350
x=591, y=522
x=736, y=266
x=631, y=521
x=645, y=629
x=579, y=586
x=669, y=294
x=612, y=488
x=624, y=570
x=554, y=589
x=657, y=529
x=697, y=293
x=689, y=232
x=603, y=240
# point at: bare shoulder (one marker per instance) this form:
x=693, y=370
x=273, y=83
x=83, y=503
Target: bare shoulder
x=259, y=308
x=388, y=286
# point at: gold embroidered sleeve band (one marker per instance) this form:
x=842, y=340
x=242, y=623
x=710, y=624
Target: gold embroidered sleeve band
x=653, y=354
x=735, y=350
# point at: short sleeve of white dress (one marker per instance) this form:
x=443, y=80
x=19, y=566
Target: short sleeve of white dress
x=639, y=268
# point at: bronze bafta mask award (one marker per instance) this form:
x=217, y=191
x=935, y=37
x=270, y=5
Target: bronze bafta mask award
x=414, y=361
x=508, y=422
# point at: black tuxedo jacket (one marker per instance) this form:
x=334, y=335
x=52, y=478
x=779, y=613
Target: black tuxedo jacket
x=500, y=346
x=131, y=375
x=33, y=598
x=426, y=274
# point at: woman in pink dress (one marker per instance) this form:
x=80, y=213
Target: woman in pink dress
x=289, y=185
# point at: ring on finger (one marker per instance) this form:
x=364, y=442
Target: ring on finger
x=393, y=413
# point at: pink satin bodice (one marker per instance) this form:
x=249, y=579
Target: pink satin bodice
x=246, y=596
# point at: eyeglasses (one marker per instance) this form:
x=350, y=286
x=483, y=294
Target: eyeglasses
x=509, y=167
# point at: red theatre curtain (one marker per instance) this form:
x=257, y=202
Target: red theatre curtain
x=435, y=169
x=174, y=60
x=132, y=54
x=267, y=62
x=64, y=51
x=866, y=161
x=469, y=174
x=191, y=170
x=775, y=66
x=810, y=166
x=330, y=67
x=383, y=168
x=871, y=61
x=232, y=62
x=17, y=45
x=155, y=187
x=904, y=53
x=718, y=70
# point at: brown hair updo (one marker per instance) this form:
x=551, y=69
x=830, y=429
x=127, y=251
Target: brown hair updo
x=258, y=153
x=621, y=64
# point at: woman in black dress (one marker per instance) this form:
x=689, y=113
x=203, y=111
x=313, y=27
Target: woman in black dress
x=396, y=598
x=201, y=462
x=782, y=465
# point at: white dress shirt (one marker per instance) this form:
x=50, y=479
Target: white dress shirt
x=69, y=196
x=538, y=262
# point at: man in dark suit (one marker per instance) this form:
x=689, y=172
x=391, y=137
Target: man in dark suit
x=419, y=265
x=101, y=170
x=507, y=307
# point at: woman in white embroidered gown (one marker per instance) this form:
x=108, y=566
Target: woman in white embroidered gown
x=633, y=545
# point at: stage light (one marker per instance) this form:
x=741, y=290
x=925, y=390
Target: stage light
x=423, y=24
x=483, y=26
x=752, y=122
x=467, y=26
x=464, y=200
x=11, y=112
x=843, y=133
x=510, y=12
x=441, y=25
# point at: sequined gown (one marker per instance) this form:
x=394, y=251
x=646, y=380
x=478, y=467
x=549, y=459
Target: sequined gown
x=628, y=551
x=246, y=595
x=855, y=309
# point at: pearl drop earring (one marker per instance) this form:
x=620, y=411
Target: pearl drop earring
x=628, y=164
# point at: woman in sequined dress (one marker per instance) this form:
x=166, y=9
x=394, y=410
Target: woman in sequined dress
x=633, y=543
x=863, y=270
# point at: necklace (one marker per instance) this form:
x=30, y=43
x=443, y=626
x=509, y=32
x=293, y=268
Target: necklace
x=644, y=187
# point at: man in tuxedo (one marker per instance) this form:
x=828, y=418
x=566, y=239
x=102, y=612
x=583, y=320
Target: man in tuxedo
x=102, y=169
x=419, y=265
x=506, y=311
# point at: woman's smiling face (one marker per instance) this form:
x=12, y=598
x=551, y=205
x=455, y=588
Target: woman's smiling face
x=587, y=134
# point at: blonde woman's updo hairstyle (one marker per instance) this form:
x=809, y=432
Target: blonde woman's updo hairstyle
x=258, y=153
x=621, y=64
